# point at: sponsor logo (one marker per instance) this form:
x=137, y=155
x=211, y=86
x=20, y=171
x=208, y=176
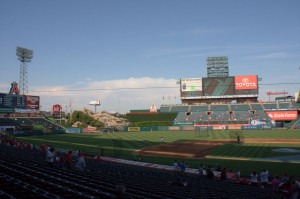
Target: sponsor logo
x=132, y=129
x=283, y=115
x=245, y=82
x=32, y=99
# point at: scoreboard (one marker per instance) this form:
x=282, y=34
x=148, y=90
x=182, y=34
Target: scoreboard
x=10, y=102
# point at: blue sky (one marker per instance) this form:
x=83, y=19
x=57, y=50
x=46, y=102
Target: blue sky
x=108, y=44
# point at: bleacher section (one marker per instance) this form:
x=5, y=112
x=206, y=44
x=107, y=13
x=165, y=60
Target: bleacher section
x=270, y=106
x=202, y=108
x=24, y=174
x=284, y=105
x=219, y=108
x=256, y=107
x=227, y=113
x=179, y=108
x=240, y=107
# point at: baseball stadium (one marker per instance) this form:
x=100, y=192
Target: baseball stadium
x=220, y=127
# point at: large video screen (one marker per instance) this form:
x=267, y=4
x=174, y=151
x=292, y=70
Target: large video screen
x=218, y=86
x=10, y=102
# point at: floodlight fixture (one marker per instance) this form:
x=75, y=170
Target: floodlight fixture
x=24, y=56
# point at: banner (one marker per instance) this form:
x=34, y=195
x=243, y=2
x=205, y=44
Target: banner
x=245, y=82
x=133, y=129
x=32, y=102
x=89, y=129
x=73, y=130
x=282, y=115
x=183, y=123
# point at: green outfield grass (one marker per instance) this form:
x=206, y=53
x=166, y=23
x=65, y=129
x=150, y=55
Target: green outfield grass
x=122, y=145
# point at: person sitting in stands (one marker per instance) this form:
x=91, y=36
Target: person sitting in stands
x=209, y=173
x=275, y=186
x=50, y=156
x=120, y=192
x=253, y=179
x=176, y=168
x=182, y=167
x=238, y=174
x=201, y=170
x=69, y=160
x=264, y=178
x=80, y=164
x=223, y=175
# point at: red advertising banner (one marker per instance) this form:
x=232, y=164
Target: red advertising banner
x=245, y=82
x=32, y=102
x=56, y=109
x=282, y=115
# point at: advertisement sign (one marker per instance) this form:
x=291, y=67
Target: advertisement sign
x=94, y=102
x=183, y=123
x=133, y=129
x=56, y=109
x=258, y=122
x=24, y=110
x=89, y=129
x=282, y=115
x=174, y=128
x=245, y=82
x=191, y=84
x=32, y=102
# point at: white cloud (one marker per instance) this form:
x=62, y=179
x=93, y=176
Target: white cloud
x=115, y=95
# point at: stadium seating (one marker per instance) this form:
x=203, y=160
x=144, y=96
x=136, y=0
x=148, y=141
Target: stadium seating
x=24, y=174
x=197, y=108
x=219, y=107
x=179, y=108
x=270, y=106
x=256, y=106
x=240, y=107
x=284, y=105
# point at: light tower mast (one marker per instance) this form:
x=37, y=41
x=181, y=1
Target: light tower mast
x=25, y=56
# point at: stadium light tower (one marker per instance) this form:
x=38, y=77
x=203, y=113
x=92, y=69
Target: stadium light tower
x=25, y=56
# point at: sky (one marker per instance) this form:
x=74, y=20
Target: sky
x=130, y=54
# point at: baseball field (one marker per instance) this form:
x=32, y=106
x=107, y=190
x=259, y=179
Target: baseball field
x=276, y=150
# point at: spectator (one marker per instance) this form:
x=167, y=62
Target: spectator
x=238, y=174
x=219, y=169
x=120, y=192
x=253, y=179
x=285, y=177
x=201, y=170
x=295, y=189
x=69, y=160
x=223, y=175
x=275, y=185
x=50, y=156
x=175, y=168
x=182, y=167
x=264, y=178
x=209, y=173
x=286, y=188
x=80, y=164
